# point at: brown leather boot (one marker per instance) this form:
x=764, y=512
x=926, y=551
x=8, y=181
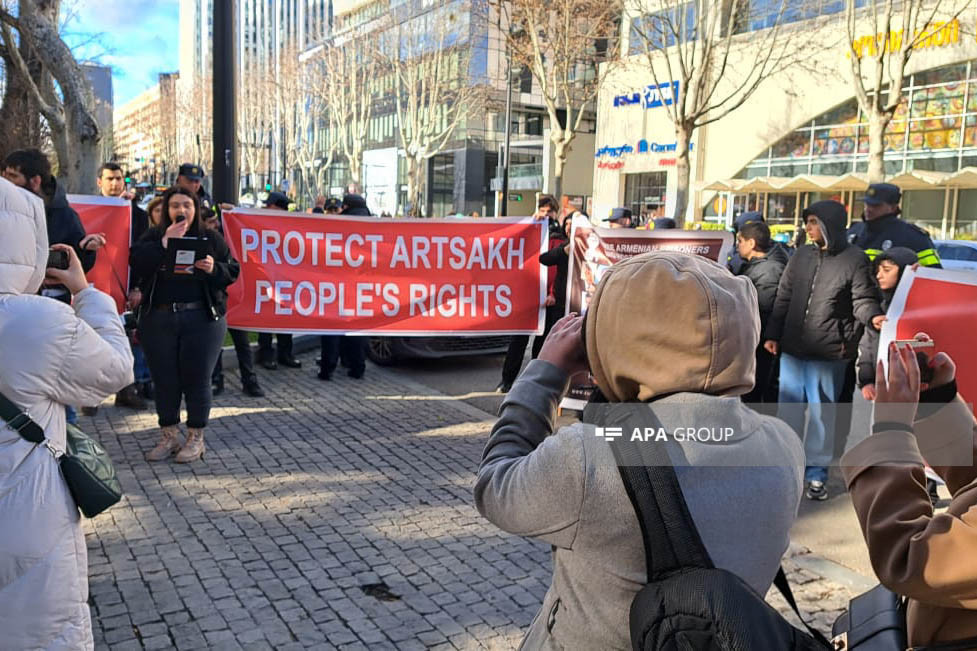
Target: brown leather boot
x=193, y=449
x=169, y=443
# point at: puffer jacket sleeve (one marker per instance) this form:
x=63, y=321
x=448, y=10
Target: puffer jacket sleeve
x=775, y=325
x=530, y=483
x=865, y=295
x=97, y=360
x=147, y=254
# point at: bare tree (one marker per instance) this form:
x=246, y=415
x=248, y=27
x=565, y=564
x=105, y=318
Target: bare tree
x=195, y=136
x=434, y=92
x=68, y=109
x=256, y=115
x=701, y=71
x=352, y=70
x=562, y=43
x=878, y=61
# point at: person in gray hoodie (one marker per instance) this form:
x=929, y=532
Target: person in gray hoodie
x=689, y=365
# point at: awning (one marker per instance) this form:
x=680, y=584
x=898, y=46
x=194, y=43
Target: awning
x=853, y=182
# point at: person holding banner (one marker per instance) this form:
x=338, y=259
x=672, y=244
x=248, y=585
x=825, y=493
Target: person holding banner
x=267, y=354
x=825, y=298
x=348, y=349
x=181, y=318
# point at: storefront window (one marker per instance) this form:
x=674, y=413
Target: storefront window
x=938, y=113
x=966, y=227
x=925, y=209
x=780, y=208
x=644, y=191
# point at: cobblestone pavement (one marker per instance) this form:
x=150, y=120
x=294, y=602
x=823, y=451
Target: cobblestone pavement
x=327, y=515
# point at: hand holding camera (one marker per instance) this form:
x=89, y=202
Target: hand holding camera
x=564, y=346
x=71, y=275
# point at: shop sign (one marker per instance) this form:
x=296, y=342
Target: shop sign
x=935, y=35
x=653, y=96
x=644, y=147
x=608, y=165
x=614, y=152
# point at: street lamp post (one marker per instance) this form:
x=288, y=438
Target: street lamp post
x=225, y=105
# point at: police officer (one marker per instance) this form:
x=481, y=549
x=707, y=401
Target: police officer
x=191, y=177
x=881, y=229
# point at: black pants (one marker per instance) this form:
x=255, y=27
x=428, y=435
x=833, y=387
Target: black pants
x=766, y=388
x=352, y=351
x=518, y=343
x=181, y=349
x=284, y=346
x=245, y=360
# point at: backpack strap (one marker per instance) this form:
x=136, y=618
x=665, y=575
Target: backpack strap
x=671, y=539
x=20, y=421
x=783, y=585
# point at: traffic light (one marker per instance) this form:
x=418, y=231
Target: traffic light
x=267, y=187
x=128, y=179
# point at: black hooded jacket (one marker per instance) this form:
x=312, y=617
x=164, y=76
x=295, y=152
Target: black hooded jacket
x=765, y=275
x=868, y=347
x=65, y=227
x=826, y=296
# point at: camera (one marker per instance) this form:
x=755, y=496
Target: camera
x=57, y=260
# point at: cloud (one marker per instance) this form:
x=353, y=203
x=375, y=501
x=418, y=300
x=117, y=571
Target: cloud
x=138, y=38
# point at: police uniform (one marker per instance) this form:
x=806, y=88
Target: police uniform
x=881, y=234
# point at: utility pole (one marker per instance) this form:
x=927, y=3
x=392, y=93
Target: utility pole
x=225, y=102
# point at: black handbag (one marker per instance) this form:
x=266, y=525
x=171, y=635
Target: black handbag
x=86, y=466
x=876, y=621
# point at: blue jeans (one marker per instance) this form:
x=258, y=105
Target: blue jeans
x=70, y=415
x=816, y=384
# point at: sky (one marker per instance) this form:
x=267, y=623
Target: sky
x=138, y=38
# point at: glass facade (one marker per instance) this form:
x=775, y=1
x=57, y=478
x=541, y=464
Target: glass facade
x=934, y=128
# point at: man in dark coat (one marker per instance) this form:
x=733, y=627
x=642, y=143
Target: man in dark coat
x=350, y=349
x=825, y=298
x=31, y=170
x=777, y=251
x=753, y=244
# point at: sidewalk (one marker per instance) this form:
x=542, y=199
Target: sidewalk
x=328, y=515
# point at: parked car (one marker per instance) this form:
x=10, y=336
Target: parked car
x=957, y=254
x=389, y=350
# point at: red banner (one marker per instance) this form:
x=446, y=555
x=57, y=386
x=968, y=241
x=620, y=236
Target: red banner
x=113, y=217
x=318, y=274
x=943, y=304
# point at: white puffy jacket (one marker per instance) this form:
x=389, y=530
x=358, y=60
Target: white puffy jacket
x=50, y=355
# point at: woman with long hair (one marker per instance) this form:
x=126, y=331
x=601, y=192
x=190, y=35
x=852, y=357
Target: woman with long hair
x=181, y=321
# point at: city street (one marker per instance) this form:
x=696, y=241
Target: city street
x=331, y=514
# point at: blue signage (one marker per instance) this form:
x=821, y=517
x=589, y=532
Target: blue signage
x=644, y=147
x=614, y=152
x=653, y=96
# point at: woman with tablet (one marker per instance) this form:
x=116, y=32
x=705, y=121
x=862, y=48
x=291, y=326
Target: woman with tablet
x=181, y=318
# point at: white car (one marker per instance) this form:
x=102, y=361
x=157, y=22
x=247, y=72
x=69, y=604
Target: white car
x=957, y=254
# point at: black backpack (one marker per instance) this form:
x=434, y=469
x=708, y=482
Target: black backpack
x=688, y=603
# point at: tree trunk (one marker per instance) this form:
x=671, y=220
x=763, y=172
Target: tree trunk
x=683, y=173
x=81, y=130
x=415, y=187
x=355, y=170
x=877, y=122
x=20, y=113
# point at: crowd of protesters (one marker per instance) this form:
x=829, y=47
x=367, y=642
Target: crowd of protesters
x=793, y=332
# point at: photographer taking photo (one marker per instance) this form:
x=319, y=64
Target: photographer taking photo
x=181, y=321
x=687, y=366
x=52, y=354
